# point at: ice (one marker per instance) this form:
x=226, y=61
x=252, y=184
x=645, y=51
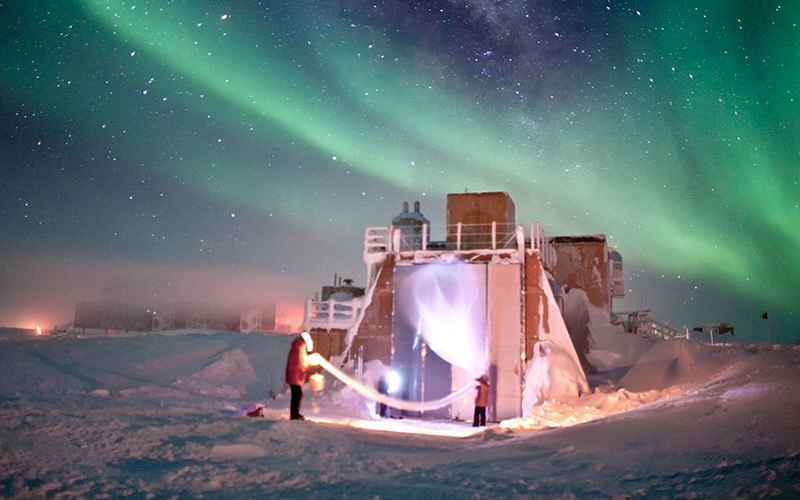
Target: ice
x=103, y=417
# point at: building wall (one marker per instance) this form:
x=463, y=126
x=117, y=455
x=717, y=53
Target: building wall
x=112, y=316
x=329, y=344
x=535, y=312
x=477, y=211
x=582, y=262
x=283, y=317
x=504, y=307
x=480, y=208
x=375, y=331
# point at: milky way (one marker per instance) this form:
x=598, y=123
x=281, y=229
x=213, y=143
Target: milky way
x=263, y=137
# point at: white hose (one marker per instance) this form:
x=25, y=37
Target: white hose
x=401, y=404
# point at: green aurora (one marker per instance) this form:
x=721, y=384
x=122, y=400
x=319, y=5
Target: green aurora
x=671, y=127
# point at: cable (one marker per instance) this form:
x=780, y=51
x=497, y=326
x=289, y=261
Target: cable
x=401, y=404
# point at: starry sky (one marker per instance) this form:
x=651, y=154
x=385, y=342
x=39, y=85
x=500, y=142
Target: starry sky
x=199, y=150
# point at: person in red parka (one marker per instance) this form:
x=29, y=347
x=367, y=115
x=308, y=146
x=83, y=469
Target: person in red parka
x=481, y=401
x=296, y=365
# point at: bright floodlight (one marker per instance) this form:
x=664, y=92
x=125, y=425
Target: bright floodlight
x=310, y=343
x=393, y=381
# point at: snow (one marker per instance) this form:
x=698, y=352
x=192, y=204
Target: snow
x=555, y=371
x=553, y=374
x=160, y=415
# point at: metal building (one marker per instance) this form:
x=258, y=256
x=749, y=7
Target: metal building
x=444, y=303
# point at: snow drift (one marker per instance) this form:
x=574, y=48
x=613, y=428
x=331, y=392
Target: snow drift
x=154, y=416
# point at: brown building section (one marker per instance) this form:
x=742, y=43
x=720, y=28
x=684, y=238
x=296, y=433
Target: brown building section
x=329, y=343
x=535, y=298
x=582, y=262
x=476, y=212
x=375, y=331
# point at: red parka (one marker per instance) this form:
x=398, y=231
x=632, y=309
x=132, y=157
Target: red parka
x=482, y=397
x=297, y=362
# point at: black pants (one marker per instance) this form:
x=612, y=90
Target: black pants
x=479, y=419
x=383, y=388
x=297, y=396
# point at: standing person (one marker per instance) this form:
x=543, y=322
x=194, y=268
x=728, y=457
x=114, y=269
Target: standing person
x=383, y=388
x=296, y=365
x=481, y=401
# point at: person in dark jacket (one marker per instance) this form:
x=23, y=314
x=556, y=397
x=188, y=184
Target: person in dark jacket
x=296, y=365
x=481, y=401
x=383, y=388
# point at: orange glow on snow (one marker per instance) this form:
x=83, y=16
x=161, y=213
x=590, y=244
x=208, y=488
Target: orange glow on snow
x=439, y=428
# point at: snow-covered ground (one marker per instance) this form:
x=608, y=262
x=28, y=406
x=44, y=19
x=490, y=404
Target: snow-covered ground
x=159, y=416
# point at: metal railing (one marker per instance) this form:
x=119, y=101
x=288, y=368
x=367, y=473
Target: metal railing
x=642, y=323
x=457, y=237
x=460, y=237
x=662, y=330
x=540, y=244
x=332, y=314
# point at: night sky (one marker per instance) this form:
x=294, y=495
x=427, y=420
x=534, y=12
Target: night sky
x=199, y=150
